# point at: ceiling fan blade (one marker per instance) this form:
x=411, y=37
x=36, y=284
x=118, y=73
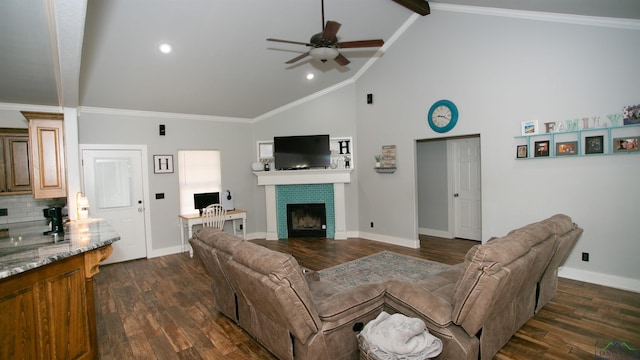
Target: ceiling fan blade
x=289, y=42
x=330, y=30
x=341, y=60
x=360, y=44
x=299, y=57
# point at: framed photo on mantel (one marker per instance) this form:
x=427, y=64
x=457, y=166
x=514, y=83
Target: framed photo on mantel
x=388, y=159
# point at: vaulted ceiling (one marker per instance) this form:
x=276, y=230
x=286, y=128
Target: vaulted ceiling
x=106, y=53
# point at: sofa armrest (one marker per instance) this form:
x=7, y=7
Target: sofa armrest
x=351, y=303
x=428, y=304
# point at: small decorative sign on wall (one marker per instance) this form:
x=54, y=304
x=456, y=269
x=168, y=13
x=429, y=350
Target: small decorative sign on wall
x=162, y=164
x=388, y=156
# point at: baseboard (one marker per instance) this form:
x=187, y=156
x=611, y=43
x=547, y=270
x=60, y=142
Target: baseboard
x=436, y=233
x=591, y=277
x=414, y=244
x=257, y=235
x=167, y=251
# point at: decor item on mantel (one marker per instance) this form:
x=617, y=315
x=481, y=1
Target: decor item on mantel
x=266, y=163
x=257, y=166
x=378, y=157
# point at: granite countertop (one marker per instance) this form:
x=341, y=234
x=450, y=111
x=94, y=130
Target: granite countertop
x=24, y=247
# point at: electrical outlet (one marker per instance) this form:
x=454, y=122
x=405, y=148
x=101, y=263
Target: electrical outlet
x=585, y=256
x=372, y=224
x=4, y=212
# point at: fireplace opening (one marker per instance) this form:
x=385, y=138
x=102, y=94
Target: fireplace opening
x=306, y=220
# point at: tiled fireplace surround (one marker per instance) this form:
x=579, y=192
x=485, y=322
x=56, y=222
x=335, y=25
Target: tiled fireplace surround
x=305, y=186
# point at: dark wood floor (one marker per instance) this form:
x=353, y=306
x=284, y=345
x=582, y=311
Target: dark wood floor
x=161, y=308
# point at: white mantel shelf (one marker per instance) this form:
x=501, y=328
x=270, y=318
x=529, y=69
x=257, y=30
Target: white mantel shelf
x=298, y=177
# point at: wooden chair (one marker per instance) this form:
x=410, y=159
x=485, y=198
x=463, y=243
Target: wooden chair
x=214, y=216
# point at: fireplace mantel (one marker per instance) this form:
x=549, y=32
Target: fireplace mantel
x=297, y=177
x=337, y=177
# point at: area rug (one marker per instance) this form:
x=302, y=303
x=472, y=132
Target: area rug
x=380, y=267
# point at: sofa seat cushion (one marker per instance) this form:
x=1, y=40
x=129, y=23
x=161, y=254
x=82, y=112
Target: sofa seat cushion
x=350, y=303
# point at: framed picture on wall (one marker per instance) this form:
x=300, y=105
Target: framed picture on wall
x=567, y=148
x=594, y=144
x=529, y=127
x=522, y=151
x=625, y=144
x=265, y=150
x=162, y=164
x=541, y=148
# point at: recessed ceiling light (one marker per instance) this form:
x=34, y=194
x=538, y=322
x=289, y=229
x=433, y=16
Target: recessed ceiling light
x=310, y=76
x=165, y=48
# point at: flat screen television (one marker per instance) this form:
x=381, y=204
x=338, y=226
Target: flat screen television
x=202, y=200
x=301, y=152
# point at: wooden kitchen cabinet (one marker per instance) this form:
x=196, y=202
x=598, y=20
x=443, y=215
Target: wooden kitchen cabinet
x=15, y=174
x=49, y=312
x=47, y=156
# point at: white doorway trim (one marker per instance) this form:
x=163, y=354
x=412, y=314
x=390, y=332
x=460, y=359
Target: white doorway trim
x=449, y=203
x=145, y=182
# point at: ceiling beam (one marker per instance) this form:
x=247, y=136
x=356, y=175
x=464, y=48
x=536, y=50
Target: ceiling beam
x=419, y=6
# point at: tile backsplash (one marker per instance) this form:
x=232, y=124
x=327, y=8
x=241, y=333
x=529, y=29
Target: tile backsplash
x=22, y=208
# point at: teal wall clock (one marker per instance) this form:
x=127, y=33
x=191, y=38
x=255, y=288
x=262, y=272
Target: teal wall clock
x=443, y=116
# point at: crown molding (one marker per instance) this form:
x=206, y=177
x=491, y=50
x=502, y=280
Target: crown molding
x=303, y=100
x=30, y=107
x=628, y=24
x=156, y=114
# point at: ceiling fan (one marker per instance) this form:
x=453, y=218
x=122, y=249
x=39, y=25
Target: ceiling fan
x=325, y=45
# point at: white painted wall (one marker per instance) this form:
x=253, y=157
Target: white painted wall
x=501, y=71
x=333, y=113
x=233, y=139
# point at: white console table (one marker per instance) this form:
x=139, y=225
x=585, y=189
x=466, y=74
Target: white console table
x=189, y=221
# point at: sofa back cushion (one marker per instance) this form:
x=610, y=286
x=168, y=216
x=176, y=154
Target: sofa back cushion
x=504, y=272
x=223, y=291
x=273, y=284
x=218, y=239
x=549, y=281
x=494, y=273
x=223, y=245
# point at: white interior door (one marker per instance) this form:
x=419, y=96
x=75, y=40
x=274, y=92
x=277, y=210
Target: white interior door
x=467, y=194
x=113, y=183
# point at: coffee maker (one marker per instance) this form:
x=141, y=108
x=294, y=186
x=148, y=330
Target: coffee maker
x=54, y=214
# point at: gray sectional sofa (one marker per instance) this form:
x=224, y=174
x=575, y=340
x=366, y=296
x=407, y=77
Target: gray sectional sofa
x=474, y=307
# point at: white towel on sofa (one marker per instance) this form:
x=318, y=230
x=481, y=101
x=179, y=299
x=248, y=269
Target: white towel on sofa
x=399, y=337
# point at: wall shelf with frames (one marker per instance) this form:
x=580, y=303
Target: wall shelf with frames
x=582, y=142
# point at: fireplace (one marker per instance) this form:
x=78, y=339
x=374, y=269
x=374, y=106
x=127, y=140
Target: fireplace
x=311, y=186
x=306, y=220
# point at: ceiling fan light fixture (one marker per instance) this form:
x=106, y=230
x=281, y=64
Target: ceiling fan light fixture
x=324, y=53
